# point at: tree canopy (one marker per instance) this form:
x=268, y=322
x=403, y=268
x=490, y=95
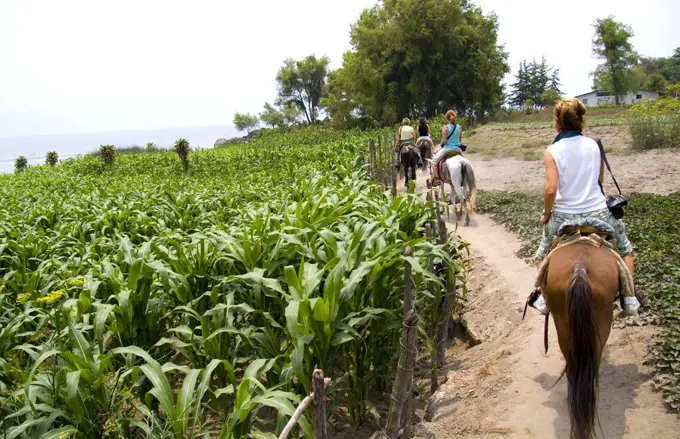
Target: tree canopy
x=538, y=82
x=419, y=57
x=301, y=83
x=245, y=122
x=280, y=116
x=611, y=43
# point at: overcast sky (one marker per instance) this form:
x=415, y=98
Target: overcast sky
x=81, y=65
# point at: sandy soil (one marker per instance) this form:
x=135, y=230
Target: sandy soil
x=512, y=159
x=505, y=386
x=650, y=172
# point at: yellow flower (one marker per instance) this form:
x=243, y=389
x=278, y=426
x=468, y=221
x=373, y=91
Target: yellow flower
x=23, y=298
x=76, y=282
x=51, y=298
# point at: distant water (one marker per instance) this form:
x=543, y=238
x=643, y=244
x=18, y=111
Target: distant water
x=34, y=148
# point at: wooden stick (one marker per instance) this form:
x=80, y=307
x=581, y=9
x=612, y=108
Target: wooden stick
x=404, y=380
x=304, y=405
x=408, y=283
x=445, y=316
x=318, y=386
x=296, y=416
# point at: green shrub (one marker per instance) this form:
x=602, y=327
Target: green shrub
x=108, y=154
x=655, y=124
x=20, y=164
x=51, y=158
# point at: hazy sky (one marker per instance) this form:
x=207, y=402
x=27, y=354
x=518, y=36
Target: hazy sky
x=81, y=65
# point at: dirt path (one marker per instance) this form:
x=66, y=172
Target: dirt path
x=655, y=172
x=503, y=387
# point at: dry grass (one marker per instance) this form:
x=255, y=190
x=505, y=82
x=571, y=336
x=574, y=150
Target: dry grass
x=530, y=143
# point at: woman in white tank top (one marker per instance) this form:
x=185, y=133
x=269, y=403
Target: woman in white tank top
x=574, y=171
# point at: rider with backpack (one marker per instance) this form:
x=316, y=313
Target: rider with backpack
x=405, y=136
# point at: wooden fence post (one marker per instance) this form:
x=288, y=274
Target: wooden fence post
x=403, y=383
x=445, y=315
x=382, y=162
x=408, y=283
x=371, y=147
x=318, y=388
x=318, y=397
x=393, y=170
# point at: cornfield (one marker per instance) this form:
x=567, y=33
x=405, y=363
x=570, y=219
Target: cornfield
x=141, y=302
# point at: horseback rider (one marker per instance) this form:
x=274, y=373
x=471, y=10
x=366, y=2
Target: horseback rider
x=405, y=136
x=574, y=174
x=450, y=145
x=424, y=130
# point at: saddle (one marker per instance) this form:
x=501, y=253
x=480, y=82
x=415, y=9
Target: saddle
x=589, y=231
x=410, y=145
x=444, y=170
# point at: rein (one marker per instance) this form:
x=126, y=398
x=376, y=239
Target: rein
x=545, y=326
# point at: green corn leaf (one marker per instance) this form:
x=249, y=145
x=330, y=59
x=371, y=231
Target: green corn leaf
x=161, y=388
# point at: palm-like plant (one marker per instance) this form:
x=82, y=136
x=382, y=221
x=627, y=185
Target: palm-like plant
x=20, y=164
x=182, y=149
x=51, y=158
x=108, y=154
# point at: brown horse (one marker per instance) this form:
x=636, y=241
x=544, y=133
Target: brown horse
x=581, y=285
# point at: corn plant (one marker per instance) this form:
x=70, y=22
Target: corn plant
x=20, y=164
x=182, y=149
x=148, y=301
x=108, y=154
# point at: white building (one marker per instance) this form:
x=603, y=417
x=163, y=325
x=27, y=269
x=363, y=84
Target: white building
x=598, y=97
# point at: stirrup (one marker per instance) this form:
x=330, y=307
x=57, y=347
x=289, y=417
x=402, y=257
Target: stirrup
x=534, y=296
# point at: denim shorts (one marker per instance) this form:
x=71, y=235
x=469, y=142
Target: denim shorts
x=558, y=218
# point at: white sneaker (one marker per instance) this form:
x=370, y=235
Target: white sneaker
x=540, y=305
x=631, y=306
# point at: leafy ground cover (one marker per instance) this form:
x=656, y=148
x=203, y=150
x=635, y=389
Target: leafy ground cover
x=652, y=226
x=143, y=298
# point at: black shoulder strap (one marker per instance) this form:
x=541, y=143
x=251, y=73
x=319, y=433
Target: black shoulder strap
x=606, y=163
x=454, y=130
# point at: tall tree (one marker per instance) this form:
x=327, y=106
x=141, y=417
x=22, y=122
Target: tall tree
x=245, y=122
x=612, y=44
x=413, y=57
x=533, y=81
x=280, y=116
x=656, y=82
x=301, y=83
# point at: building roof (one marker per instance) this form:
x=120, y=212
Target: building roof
x=609, y=93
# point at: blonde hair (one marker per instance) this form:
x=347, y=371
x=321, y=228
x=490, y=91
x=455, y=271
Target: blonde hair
x=451, y=116
x=569, y=114
x=405, y=121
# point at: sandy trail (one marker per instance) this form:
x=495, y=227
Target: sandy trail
x=655, y=172
x=504, y=386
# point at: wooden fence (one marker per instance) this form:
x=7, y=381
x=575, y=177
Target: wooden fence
x=399, y=424
x=381, y=162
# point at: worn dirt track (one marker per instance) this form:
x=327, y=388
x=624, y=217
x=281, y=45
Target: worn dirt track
x=505, y=386
x=656, y=172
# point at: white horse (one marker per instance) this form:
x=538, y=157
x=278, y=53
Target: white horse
x=461, y=179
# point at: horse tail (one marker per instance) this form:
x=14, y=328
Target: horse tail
x=471, y=184
x=582, y=360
